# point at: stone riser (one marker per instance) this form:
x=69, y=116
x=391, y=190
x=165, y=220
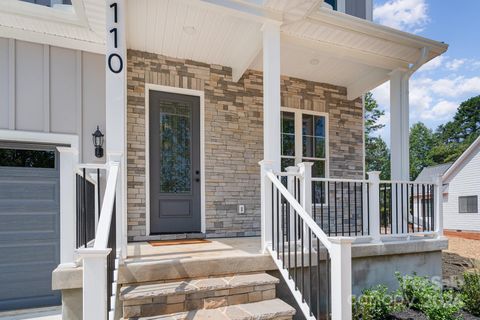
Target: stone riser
x=199, y=300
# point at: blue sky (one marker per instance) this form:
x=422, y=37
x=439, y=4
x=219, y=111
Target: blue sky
x=440, y=86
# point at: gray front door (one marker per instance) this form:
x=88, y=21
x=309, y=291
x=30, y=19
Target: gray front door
x=29, y=226
x=175, y=189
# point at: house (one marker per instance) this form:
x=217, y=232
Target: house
x=461, y=190
x=236, y=121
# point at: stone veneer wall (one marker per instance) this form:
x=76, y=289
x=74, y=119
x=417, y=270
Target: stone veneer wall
x=233, y=136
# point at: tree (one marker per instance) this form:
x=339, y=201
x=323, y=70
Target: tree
x=422, y=140
x=377, y=154
x=454, y=137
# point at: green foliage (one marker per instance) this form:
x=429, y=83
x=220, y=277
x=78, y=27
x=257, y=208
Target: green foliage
x=374, y=304
x=422, y=140
x=377, y=154
x=471, y=292
x=422, y=294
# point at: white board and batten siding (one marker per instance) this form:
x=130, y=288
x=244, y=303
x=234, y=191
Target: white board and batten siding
x=465, y=181
x=53, y=90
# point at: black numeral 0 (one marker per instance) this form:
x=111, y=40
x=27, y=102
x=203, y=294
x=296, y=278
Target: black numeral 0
x=120, y=63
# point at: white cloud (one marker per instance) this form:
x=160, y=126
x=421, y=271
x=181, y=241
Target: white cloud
x=432, y=64
x=406, y=15
x=441, y=111
x=455, y=87
x=455, y=64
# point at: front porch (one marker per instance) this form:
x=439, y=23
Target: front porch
x=187, y=130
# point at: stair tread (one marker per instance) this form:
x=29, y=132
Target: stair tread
x=263, y=310
x=159, y=289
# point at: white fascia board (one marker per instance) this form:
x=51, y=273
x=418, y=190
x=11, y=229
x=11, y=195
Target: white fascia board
x=53, y=40
x=345, y=21
x=461, y=159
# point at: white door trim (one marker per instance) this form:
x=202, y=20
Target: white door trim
x=190, y=92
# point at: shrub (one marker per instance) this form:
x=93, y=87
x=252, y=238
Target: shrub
x=374, y=304
x=422, y=294
x=471, y=292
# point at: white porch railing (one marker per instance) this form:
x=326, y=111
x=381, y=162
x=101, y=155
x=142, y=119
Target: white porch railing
x=301, y=250
x=305, y=218
x=100, y=258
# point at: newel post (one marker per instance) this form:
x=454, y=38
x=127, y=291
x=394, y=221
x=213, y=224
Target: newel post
x=266, y=204
x=341, y=277
x=94, y=283
x=438, y=198
x=291, y=188
x=305, y=170
x=374, y=202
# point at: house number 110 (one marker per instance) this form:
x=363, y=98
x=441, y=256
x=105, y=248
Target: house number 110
x=117, y=67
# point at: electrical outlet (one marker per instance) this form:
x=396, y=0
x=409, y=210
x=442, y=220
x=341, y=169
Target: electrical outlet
x=241, y=209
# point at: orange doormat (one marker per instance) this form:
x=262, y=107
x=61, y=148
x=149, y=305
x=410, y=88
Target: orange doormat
x=159, y=243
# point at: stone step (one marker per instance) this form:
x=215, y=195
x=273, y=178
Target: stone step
x=205, y=293
x=274, y=309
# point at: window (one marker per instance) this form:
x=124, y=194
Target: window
x=49, y=3
x=27, y=158
x=468, y=204
x=304, y=139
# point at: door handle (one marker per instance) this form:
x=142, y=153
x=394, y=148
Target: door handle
x=197, y=179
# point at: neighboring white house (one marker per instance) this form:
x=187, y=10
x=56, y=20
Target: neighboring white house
x=461, y=189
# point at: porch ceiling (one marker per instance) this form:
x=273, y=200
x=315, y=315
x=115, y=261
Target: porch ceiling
x=317, y=44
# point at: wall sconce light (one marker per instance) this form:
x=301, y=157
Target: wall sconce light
x=97, y=138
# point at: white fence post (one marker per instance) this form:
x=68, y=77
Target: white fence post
x=94, y=283
x=374, y=202
x=341, y=278
x=266, y=204
x=439, y=206
x=68, y=163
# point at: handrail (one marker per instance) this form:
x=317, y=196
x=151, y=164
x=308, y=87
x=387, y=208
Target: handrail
x=406, y=182
x=101, y=239
x=92, y=166
x=301, y=211
x=340, y=180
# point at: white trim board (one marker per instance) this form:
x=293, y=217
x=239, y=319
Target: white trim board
x=40, y=137
x=190, y=92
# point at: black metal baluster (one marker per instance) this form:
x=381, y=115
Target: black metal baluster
x=402, y=207
x=355, y=207
x=98, y=193
x=322, y=200
x=288, y=239
x=302, y=258
x=282, y=203
x=295, y=247
x=412, y=211
x=314, y=196
x=423, y=207
x=273, y=217
x=349, y=210
x=329, y=205
x=368, y=208
x=318, y=278
x=336, y=213
x=84, y=207
x=396, y=208
x=418, y=208
x=343, y=212
x=385, y=213
x=310, y=269
x=278, y=225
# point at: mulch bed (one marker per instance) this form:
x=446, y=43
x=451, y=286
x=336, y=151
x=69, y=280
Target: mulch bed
x=415, y=315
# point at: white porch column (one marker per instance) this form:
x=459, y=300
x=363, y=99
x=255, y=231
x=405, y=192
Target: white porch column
x=116, y=65
x=399, y=125
x=271, y=93
x=341, y=277
x=68, y=164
